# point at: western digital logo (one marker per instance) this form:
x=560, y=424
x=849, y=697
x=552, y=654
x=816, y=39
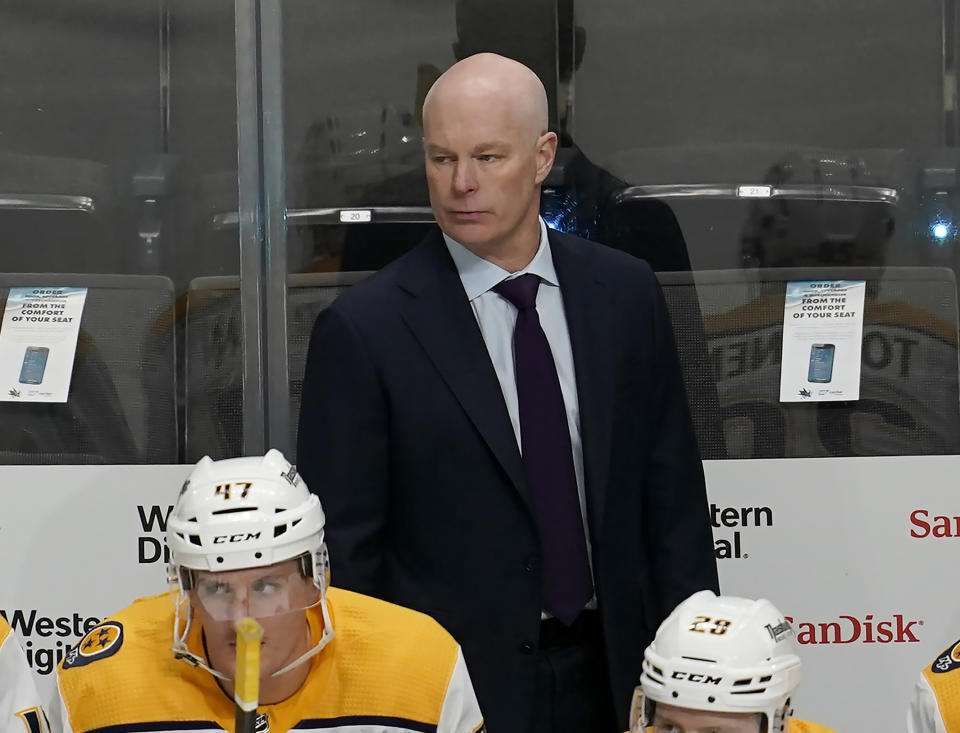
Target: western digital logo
x=731, y=547
x=39, y=632
x=152, y=545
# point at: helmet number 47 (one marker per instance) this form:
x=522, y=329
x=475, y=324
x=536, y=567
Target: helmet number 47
x=224, y=489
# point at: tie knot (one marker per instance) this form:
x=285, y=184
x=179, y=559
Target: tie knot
x=521, y=291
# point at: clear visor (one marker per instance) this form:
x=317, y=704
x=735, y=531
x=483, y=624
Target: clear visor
x=638, y=711
x=256, y=592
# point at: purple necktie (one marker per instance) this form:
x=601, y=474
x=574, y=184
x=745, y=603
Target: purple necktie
x=548, y=457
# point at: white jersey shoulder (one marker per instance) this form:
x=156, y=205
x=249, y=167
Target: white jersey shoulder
x=461, y=711
x=923, y=715
x=935, y=707
x=20, y=708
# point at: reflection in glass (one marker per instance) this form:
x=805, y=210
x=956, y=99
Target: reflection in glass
x=114, y=115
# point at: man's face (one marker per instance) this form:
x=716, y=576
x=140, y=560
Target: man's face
x=670, y=719
x=484, y=164
x=274, y=595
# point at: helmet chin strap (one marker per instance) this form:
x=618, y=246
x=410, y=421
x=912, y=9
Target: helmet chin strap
x=181, y=651
x=328, y=634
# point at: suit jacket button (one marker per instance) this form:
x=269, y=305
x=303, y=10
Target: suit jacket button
x=532, y=564
x=528, y=647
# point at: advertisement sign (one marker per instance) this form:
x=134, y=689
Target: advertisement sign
x=87, y=540
x=859, y=554
x=38, y=341
x=822, y=337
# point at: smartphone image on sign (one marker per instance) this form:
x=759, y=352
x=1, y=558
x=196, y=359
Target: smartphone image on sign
x=821, y=363
x=34, y=364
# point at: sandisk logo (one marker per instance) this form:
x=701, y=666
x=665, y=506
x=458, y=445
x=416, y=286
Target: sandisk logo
x=850, y=629
x=696, y=677
x=221, y=539
x=937, y=526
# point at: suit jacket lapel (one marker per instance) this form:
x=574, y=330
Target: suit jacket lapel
x=441, y=320
x=588, y=307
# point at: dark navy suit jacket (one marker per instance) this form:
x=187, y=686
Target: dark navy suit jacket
x=405, y=437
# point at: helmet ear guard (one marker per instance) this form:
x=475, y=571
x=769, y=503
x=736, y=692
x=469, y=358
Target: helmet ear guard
x=305, y=565
x=321, y=568
x=185, y=576
x=315, y=566
x=641, y=711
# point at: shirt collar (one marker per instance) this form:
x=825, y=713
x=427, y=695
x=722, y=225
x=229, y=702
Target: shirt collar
x=479, y=275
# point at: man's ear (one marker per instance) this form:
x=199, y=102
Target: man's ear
x=546, y=152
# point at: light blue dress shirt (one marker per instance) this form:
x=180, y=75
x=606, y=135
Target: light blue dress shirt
x=497, y=317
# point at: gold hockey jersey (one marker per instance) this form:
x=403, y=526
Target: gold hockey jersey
x=387, y=669
x=805, y=726
x=935, y=707
x=20, y=708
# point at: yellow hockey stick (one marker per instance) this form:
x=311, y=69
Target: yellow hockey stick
x=246, y=692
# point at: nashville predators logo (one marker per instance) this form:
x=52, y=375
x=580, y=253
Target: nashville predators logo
x=950, y=659
x=100, y=642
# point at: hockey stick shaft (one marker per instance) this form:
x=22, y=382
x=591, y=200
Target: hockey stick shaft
x=246, y=692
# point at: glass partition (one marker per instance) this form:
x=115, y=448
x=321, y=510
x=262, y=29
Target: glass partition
x=719, y=144
x=117, y=156
x=735, y=148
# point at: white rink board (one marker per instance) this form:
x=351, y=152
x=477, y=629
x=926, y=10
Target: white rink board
x=838, y=545
x=70, y=537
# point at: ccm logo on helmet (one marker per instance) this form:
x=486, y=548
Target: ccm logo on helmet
x=696, y=677
x=221, y=539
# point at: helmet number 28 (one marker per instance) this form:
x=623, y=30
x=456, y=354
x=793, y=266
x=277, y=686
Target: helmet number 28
x=705, y=624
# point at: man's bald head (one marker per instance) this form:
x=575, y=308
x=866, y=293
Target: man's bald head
x=488, y=78
x=488, y=150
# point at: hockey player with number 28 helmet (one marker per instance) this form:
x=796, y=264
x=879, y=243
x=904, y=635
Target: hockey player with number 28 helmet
x=246, y=540
x=720, y=664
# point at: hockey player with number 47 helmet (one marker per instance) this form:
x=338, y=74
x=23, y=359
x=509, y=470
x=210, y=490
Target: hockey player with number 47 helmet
x=720, y=664
x=246, y=539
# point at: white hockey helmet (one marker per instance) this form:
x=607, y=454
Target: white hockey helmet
x=243, y=513
x=721, y=654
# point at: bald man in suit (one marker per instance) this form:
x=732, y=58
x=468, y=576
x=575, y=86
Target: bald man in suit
x=497, y=427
